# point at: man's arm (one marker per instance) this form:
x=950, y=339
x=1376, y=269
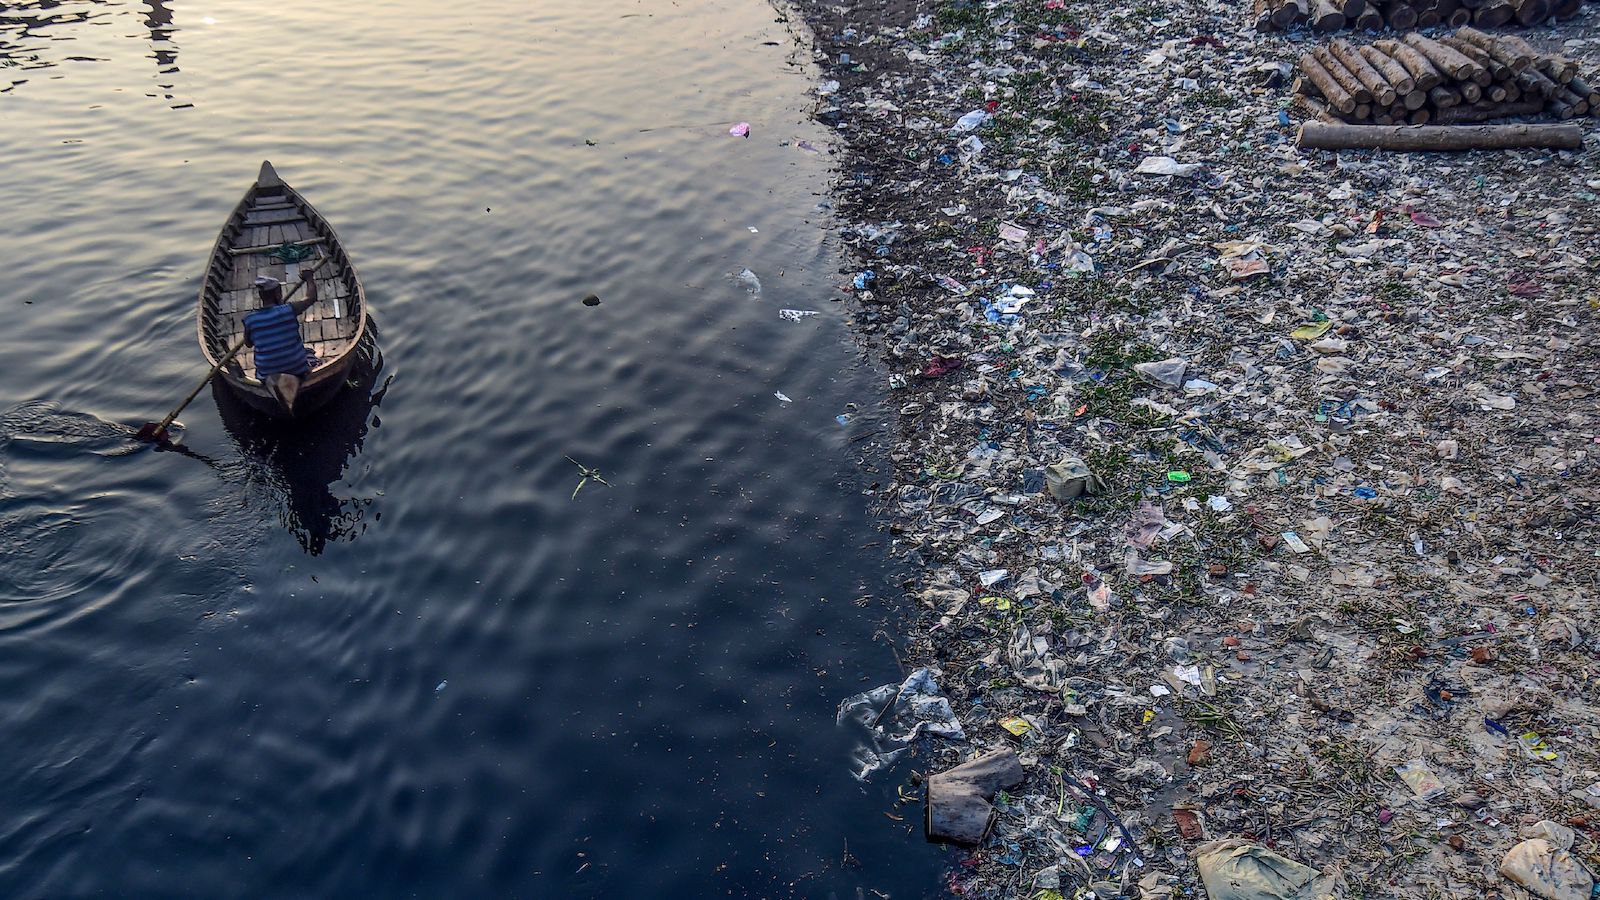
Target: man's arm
x=309, y=278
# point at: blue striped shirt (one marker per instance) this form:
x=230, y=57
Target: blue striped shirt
x=275, y=333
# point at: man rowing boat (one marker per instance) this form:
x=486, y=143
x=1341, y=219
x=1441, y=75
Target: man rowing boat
x=282, y=358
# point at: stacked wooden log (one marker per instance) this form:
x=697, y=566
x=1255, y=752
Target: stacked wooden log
x=1404, y=15
x=1467, y=76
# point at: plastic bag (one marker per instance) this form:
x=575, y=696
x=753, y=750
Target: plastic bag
x=892, y=716
x=1420, y=779
x=1071, y=478
x=1545, y=865
x=1241, y=870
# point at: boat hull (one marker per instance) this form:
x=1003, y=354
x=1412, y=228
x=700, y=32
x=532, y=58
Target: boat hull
x=315, y=392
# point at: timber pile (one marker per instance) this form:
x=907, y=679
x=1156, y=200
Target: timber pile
x=1404, y=15
x=1468, y=76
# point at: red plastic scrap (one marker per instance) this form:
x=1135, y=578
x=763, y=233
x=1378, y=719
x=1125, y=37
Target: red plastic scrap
x=1189, y=824
x=1524, y=285
x=1422, y=219
x=940, y=366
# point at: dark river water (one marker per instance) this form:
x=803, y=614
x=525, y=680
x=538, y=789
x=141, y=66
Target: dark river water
x=387, y=653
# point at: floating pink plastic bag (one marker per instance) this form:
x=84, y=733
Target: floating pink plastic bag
x=740, y=130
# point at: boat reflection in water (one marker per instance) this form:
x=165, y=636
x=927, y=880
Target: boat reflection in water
x=300, y=460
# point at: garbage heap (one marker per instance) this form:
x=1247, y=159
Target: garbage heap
x=1247, y=493
x=1468, y=76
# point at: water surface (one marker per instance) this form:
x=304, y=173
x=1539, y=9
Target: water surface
x=388, y=654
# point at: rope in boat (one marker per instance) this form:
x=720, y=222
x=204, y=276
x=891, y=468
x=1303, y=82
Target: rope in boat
x=290, y=252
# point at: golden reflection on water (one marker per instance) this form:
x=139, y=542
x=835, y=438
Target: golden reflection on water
x=41, y=35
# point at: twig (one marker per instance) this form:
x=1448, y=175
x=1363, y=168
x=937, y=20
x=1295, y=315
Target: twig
x=892, y=649
x=588, y=474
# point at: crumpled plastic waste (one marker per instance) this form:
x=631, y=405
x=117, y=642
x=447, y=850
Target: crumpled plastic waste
x=1244, y=870
x=959, y=799
x=992, y=577
x=969, y=122
x=942, y=365
x=748, y=279
x=1420, y=779
x=1544, y=864
x=740, y=130
x=1070, y=478
x=1167, y=372
x=1166, y=165
x=918, y=707
x=1031, y=660
x=1076, y=259
x=795, y=315
x=1140, y=567
x=1148, y=520
x=1006, y=308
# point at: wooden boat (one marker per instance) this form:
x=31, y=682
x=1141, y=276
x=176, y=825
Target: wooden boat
x=266, y=227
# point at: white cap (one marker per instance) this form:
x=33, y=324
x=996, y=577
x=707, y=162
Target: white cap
x=266, y=283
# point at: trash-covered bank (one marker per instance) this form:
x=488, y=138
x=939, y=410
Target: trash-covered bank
x=1249, y=492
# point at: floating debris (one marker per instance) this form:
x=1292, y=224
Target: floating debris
x=588, y=476
x=1286, y=451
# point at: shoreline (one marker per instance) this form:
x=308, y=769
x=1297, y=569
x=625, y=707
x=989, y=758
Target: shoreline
x=1341, y=417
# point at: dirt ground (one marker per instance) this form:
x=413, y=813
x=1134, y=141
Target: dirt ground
x=1345, y=536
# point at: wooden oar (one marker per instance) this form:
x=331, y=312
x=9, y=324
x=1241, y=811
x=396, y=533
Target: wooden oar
x=156, y=432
